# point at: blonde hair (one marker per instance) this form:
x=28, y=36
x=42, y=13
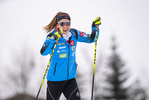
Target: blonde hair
x=52, y=25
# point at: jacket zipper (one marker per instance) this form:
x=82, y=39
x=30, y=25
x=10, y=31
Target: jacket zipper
x=55, y=69
x=68, y=63
x=68, y=58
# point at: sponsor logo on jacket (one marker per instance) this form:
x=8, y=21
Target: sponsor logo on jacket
x=63, y=55
x=81, y=34
x=61, y=43
x=62, y=47
x=73, y=48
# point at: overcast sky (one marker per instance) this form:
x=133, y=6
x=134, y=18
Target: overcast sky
x=22, y=21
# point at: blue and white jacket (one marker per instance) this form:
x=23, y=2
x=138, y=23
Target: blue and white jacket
x=63, y=63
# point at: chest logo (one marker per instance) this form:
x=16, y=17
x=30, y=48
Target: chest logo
x=72, y=42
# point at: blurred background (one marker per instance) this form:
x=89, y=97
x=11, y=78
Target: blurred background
x=122, y=48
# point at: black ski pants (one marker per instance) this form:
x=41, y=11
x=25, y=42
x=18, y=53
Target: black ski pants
x=69, y=88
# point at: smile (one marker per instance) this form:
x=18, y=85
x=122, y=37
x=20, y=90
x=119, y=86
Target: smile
x=65, y=30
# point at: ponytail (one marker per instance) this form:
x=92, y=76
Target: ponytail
x=52, y=24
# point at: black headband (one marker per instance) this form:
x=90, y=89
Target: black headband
x=63, y=16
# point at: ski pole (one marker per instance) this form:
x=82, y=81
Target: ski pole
x=94, y=62
x=47, y=68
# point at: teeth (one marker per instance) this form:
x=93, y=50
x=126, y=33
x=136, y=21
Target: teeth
x=64, y=30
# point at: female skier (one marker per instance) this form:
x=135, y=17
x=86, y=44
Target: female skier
x=62, y=70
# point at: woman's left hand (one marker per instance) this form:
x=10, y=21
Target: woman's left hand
x=96, y=22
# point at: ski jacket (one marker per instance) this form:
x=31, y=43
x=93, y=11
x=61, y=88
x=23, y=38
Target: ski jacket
x=63, y=63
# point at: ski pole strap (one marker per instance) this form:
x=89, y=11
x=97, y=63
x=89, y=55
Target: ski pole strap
x=97, y=27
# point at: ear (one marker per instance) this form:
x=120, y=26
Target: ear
x=57, y=25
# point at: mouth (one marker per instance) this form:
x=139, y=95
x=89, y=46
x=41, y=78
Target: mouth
x=65, y=30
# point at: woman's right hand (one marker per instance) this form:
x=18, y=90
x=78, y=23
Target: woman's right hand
x=57, y=35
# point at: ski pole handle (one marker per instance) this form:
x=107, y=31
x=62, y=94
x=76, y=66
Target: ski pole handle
x=59, y=33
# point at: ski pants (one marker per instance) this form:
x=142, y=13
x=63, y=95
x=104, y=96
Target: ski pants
x=69, y=88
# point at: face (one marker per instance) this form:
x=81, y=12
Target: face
x=64, y=27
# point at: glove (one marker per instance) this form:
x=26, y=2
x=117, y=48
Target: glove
x=57, y=35
x=97, y=21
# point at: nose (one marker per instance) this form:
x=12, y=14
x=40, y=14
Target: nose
x=65, y=25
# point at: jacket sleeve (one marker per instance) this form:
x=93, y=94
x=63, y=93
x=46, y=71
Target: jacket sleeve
x=48, y=45
x=88, y=38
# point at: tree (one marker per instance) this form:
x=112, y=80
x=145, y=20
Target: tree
x=19, y=74
x=138, y=92
x=81, y=83
x=99, y=63
x=117, y=77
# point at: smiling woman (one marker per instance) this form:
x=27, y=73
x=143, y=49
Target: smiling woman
x=61, y=20
x=65, y=25
x=62, y=70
